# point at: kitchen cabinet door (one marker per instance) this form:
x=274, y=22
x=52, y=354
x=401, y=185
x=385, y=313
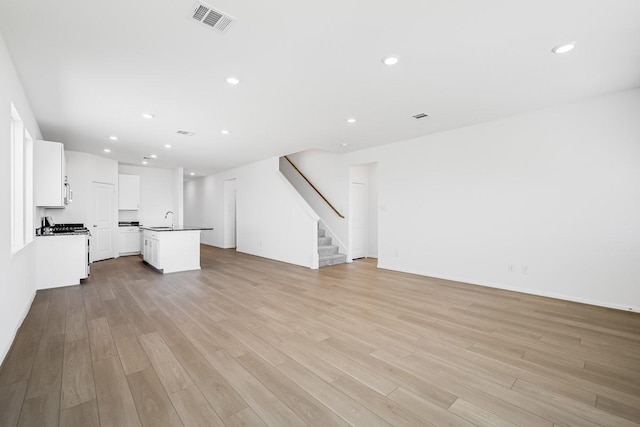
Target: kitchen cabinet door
x=128, y=192
x=129, y=240
x=151, y=251
x=146, y=251
x=49, y=175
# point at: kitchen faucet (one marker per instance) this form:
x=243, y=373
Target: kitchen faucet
x=167, y=214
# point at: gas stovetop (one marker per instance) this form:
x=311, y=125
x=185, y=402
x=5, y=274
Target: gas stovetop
x=69, y=229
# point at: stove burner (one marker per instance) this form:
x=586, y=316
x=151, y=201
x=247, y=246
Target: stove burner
x=69, y=228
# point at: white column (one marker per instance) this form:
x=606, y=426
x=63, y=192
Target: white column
x=178, y=196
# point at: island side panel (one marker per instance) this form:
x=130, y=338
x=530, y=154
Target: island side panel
x=179, y=250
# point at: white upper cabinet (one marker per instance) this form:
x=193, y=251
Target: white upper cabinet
x=128, y=192
x=51, y=189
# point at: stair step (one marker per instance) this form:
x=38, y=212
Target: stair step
x=327, y=250
x=321, y=232
x=324, y=241
x=334, y=259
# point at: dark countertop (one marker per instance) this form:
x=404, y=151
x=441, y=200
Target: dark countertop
x=176, y=228
x=128, y=224
x=70, y=233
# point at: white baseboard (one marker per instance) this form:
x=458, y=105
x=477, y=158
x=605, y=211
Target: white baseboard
x=528, y=291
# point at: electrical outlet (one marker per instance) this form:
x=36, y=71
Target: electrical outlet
x=510, y=268
x=524, y=269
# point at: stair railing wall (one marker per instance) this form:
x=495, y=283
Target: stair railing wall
x=309, y=184
x=322, y=209
x=311, y=232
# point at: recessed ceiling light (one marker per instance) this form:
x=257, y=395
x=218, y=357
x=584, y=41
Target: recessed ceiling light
x=167, y=145
x=148, y=115
x=351, y=120
x=144, y=162
x=106, y=150
x=224, y=132
x=153, y=156
x=390, y=60
x=113, y=138
x=233, y=80
x=344, y=144
x=192, y=173
x=564, y=48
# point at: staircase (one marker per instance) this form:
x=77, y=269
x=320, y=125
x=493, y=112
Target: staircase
x=328, y=253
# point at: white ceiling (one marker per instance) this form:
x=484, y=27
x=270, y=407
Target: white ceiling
x=90, y=69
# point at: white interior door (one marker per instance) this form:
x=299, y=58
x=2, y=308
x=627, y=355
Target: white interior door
x=230, y=191
x=358, y=213
x=103, y=222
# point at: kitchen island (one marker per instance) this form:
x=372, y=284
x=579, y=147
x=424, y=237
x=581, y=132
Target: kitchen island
x=172, y=249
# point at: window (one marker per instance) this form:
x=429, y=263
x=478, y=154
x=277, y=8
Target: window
x=29, y=229
x=22, y=230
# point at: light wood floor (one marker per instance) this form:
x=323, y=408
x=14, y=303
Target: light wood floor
x=248, y=341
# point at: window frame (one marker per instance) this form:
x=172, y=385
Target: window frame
x=22, y=208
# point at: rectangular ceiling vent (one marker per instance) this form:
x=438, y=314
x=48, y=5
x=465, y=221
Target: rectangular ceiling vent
x=186, y=133
x=212, y=18
x=420, y=116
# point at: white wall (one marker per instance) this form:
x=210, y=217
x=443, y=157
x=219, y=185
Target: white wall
x=17, y=271
x=157, y=196
x=82, y=170
x=556, y=191
x=203, y=199
x=273, y=221
x=230, y=189
x=373, y=210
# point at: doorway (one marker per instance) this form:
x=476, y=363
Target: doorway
x=103, y=221
x=358, y=219
x=230, y=228
x=363, y=211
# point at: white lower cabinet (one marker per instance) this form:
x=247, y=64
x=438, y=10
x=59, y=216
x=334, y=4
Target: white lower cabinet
x=62, y=260
x=129, y=240
x=150, y=251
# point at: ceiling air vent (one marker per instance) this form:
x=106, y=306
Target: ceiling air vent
x=420, y=116
x=212, y=18
x=186, y=133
